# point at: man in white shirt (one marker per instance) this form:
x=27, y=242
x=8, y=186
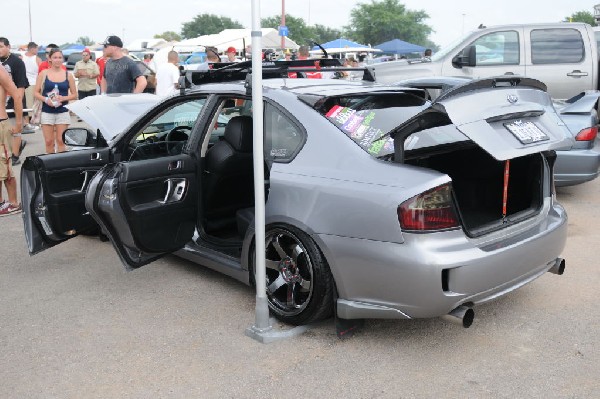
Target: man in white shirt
x=32, y=62
x=167, y=75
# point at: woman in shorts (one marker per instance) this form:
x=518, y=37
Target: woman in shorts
x=55, y=87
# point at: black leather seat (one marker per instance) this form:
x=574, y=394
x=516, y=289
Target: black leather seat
x=229, y=181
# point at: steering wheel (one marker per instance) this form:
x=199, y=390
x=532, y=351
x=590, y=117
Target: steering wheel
x=176, y=138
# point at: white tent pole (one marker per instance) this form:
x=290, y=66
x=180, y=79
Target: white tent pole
x=262, y=322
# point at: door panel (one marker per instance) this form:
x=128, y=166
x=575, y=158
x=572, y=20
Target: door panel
x=53, y=194
x=148, y=208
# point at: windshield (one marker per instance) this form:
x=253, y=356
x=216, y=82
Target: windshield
x=438, y=55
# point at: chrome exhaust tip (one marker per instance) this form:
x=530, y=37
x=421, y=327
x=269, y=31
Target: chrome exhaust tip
x=462, y=315
x=558, y=267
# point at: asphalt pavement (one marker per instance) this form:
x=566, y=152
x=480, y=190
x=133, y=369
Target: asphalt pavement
x=75, y=324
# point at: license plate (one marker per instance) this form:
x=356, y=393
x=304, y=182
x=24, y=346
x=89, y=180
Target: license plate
x=526, y=132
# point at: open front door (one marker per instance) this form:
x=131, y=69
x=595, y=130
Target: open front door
x=148, y=208
x=53, y=194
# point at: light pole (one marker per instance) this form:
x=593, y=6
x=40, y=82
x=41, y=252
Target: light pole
x=30, y=34
x=463, y=25
x=282, y=24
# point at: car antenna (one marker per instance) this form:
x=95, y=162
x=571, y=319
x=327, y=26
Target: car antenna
x=322, y=49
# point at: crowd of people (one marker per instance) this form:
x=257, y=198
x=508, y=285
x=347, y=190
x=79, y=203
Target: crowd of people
x=28, y=83
x=37, y=91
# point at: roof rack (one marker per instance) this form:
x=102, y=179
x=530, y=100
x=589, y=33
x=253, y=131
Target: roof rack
x=234, y=71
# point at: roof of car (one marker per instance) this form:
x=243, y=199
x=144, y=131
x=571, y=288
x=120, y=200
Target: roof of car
x=321, y=87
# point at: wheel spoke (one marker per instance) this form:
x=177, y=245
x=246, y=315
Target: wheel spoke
x=275, y=285
x=272, y=264
x=291, y=295
x=278, y=247
x=296, y=252
x=305, y=284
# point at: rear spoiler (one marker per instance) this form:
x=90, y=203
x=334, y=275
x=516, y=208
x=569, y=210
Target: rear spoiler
x=499, y=81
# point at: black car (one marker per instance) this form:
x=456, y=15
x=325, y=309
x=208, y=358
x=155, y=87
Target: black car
x=73, y=58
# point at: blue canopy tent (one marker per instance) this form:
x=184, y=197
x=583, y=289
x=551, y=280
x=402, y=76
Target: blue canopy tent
x=398, y=46
x=343, y=44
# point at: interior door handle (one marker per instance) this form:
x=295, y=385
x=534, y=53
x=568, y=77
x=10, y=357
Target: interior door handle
x=577, y=73
x=95, y=156
x=175, y=165
x=176, y=189
x=86, y=179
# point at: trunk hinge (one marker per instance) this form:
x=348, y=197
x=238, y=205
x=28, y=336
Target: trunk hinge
x=505, y=189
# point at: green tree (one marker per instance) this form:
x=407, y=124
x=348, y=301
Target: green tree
x=380, y=21
x=582, y=16
x=85, y=40
x=298, y=30
x=169, y=36
x=207, y=24
x=324, y=34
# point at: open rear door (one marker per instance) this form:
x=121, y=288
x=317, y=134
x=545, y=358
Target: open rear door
x=53, y=196
x=147, y=208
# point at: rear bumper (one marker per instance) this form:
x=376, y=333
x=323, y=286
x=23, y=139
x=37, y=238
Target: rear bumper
x=576, y=167
x=431, y=274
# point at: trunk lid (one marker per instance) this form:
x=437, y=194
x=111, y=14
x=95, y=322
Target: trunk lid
x=511, y=117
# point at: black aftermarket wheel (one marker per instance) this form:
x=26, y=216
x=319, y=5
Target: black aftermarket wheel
x=298, y=280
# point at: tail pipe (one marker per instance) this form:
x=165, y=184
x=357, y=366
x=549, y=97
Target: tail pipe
x=462, y=315
x=558, y=267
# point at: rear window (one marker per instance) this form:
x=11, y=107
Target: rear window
x=368, y=120
x=556, y=46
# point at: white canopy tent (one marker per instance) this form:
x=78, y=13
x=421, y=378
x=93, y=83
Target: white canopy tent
x=239, y=38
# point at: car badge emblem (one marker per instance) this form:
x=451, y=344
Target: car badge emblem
x=511, y=98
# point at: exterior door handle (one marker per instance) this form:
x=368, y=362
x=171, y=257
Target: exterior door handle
x=577, y=73
x=176, y=189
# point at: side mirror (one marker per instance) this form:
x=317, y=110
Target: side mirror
x=79, y=137
x=467, y=57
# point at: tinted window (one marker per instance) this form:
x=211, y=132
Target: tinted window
x=283, y=137
x=498, y=48
x=556, y=46
x=367, y=119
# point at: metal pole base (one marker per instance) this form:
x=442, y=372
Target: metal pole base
x=268, y=335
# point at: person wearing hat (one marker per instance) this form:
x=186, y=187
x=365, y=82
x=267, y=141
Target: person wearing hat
x=121, y=74
x=287, y=55
x=86, y=71
x=231, y=55
x=212, y=57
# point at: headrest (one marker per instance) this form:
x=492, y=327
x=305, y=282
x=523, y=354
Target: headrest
x=238, y=133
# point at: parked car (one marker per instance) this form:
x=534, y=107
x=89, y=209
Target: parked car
x=75, y=57
x=574, y=165
x=379, y=203
x=193, y=60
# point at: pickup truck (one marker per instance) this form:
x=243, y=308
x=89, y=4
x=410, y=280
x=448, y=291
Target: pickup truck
x=562, y=55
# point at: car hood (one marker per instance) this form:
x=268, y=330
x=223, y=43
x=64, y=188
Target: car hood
x=508, y=119
x=113, y=113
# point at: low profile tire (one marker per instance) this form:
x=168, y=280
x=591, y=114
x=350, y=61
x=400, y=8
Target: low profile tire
x=298, y=280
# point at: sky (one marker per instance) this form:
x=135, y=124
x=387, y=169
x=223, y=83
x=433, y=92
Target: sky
x=62, y=21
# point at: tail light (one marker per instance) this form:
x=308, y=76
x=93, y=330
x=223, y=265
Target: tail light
x=431, y=210
x=587, y=134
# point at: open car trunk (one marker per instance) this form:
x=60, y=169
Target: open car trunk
x=478, y=186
